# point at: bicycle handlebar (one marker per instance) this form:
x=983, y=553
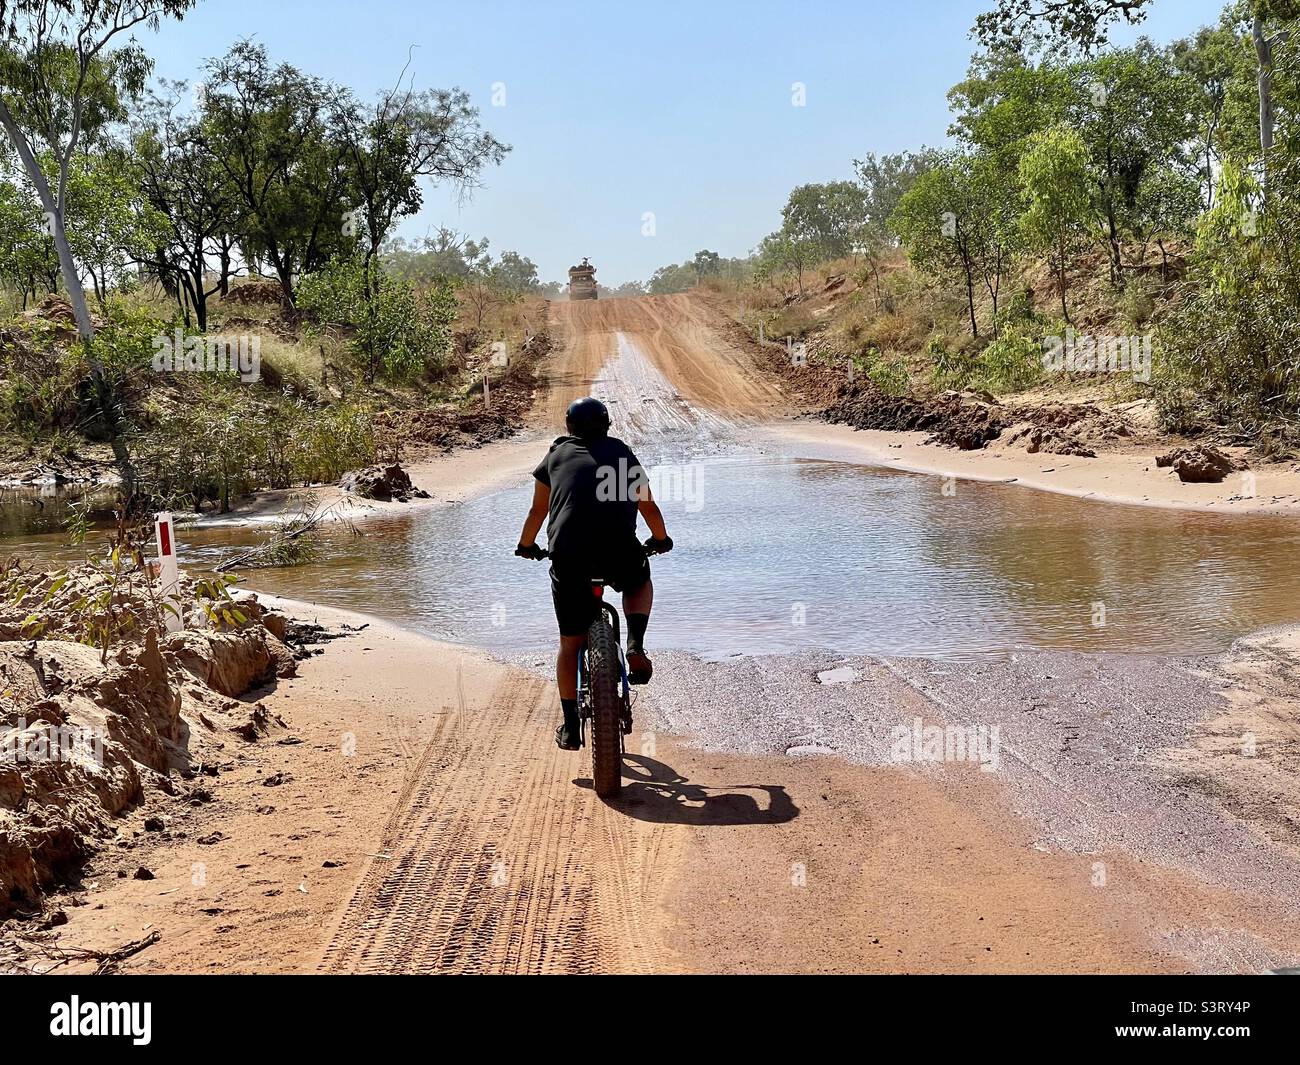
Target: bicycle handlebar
x=540, y=554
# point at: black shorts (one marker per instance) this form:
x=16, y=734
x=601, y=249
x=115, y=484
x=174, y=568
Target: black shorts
x=575, y=605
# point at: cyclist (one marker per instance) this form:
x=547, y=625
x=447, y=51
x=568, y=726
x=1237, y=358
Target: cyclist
x=591, y=487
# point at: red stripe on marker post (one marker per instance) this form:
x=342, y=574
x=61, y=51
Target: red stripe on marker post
x=168, y=573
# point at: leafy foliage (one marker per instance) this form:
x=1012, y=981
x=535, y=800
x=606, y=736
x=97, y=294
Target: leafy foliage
x=394, y=328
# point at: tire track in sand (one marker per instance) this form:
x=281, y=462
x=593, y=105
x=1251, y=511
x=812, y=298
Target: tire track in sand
x=495, y=861
x=675, y=333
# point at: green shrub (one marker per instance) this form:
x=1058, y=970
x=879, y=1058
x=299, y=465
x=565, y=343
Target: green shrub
x=949, y=368
x=887, y=372
x=396, y=330
x=1012, y=362
x=223, y=440
x=1230, y=345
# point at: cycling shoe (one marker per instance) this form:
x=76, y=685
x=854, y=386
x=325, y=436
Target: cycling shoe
x=568, y=740
x=639, y=667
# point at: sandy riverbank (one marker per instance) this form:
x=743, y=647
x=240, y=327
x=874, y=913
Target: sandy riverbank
x=1126, y=477
x=1116, y=477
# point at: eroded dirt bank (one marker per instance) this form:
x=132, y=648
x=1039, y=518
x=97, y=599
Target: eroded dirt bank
x=92, y=737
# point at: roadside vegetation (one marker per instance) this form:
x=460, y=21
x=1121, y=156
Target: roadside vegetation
x=1149, y=191
x=151, y=229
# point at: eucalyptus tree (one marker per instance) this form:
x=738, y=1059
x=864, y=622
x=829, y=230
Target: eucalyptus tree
x=402, y=142
x=829, y=217
x=187, y=188
x=278, y=137
x=958, y=221
x=1135, y=115
x=62, y=82
x=1055, y=176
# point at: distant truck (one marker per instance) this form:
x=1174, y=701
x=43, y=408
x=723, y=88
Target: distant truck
x=582, y=281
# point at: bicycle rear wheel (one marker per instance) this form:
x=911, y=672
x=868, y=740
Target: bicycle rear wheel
x=603, y=679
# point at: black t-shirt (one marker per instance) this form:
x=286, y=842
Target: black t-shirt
x=593, y=498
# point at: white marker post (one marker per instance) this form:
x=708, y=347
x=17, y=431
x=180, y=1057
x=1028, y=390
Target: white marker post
x=168, y=574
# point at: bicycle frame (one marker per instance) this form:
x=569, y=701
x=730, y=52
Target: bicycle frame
x=611, y=613
x=584, y=701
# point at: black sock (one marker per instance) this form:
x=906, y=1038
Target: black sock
x=570, y=708
x=636, y=624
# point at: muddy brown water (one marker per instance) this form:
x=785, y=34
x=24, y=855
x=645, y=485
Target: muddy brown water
x=778, y=555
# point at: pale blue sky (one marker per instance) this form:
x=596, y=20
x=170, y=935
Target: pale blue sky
x=615, y=109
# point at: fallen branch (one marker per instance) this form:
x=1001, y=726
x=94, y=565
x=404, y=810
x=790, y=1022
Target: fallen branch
x=107, y=959
x=306, y=521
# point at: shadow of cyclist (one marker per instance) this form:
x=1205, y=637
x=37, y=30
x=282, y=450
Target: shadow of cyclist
x=653, y=791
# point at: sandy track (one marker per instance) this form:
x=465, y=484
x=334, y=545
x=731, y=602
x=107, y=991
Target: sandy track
x=495, y=862
x=675, y=333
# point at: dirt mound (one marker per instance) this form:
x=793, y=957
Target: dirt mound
x=83, y=737
x=57, y=311
x=1086, y=420
x=955, y=419
x=255, y=292
x=971, y=420
x=1051, y=441
x=1201, y=464
x=386, y=483
x=444, y=428
x=470, y=423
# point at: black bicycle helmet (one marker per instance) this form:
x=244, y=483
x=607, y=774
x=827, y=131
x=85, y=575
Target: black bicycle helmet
x=587, y=418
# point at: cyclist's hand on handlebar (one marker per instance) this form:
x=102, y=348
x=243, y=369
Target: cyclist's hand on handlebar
x=659, y=547
x=530, y=551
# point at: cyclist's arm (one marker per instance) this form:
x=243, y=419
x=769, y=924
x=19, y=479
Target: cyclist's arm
x=536, y=513
x=649, y=510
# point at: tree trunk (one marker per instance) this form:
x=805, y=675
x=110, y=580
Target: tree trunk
x=1060, y=276
x=970, y=305
x=285, y=276
x=225, y=268
x=1264, y=54
x=200, y=301
x=1116, y=256
x=104, y=392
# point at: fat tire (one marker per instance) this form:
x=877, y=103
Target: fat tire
x=603, y=677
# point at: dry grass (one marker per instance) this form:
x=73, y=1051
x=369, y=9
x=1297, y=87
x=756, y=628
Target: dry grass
x=884, y=310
